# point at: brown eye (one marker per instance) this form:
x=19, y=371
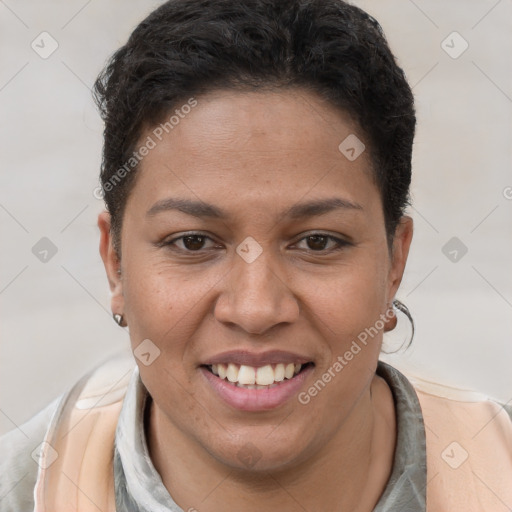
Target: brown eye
x=189, y=243
x=319, y=242
x=193, y=242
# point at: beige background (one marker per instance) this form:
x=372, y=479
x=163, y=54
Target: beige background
x=55, y=316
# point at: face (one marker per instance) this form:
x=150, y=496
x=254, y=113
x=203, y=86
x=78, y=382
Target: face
x=250, y=243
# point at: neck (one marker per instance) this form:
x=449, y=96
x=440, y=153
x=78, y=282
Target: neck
x=349, y=472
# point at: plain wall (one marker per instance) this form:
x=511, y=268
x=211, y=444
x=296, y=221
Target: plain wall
x=55, y=315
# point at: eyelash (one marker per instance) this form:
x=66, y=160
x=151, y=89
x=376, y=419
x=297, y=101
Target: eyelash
x=341, y=244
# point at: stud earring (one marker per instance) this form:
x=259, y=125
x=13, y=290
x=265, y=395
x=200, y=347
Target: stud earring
x=119, y=319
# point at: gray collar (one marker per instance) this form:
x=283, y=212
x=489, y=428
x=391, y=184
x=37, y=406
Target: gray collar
x=139, y=488
x=406, y=487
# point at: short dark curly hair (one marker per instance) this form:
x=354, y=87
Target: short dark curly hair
x=187, y=48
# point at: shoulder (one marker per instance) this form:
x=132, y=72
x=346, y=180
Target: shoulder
x=18, y=463
x=466, y=408
x=19, y=469
x=469, y=448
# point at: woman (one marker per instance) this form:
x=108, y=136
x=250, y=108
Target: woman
x=256, y=171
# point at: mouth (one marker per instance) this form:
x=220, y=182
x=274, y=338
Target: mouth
x=256, y=388
x=262, y=377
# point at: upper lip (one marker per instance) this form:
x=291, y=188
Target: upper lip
x=257, y=359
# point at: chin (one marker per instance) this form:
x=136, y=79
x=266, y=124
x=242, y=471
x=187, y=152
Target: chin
x=260, y=452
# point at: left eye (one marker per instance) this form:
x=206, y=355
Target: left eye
x=317, y=242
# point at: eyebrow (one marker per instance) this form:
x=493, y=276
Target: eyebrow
x=201, y=209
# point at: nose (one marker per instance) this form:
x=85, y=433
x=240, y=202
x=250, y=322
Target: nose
x=255, y=298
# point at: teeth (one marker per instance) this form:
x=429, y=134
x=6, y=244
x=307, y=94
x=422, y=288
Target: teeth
x=265, y=375
x=255, y=378
x=232, y=372
x=253, y=386
x=289, y=370
x=247, y=375
x=279, y=372
x=222, y=369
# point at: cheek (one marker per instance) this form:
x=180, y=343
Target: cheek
x=165, y=308
x=349, y=300
x=168, y=305
x=346, y=314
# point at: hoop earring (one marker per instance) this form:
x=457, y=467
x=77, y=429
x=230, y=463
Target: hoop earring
x=119, y=319
x=397, y=306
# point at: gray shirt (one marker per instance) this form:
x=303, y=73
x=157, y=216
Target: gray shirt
x=139, y=488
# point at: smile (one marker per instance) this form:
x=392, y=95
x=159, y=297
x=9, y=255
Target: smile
x=251, y=377
x=250, y=388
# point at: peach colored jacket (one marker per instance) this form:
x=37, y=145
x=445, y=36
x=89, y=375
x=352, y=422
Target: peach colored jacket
x=469, y=448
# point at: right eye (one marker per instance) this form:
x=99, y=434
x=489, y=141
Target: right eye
x=190, y=243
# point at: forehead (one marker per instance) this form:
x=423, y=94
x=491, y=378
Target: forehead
x=257, y=146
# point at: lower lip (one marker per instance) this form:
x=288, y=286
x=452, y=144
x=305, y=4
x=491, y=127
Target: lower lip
x=256, y=399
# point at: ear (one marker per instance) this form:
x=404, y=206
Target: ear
x=400, y=251
x=111, y=262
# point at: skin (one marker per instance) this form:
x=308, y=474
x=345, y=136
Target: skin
x=255, y=155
